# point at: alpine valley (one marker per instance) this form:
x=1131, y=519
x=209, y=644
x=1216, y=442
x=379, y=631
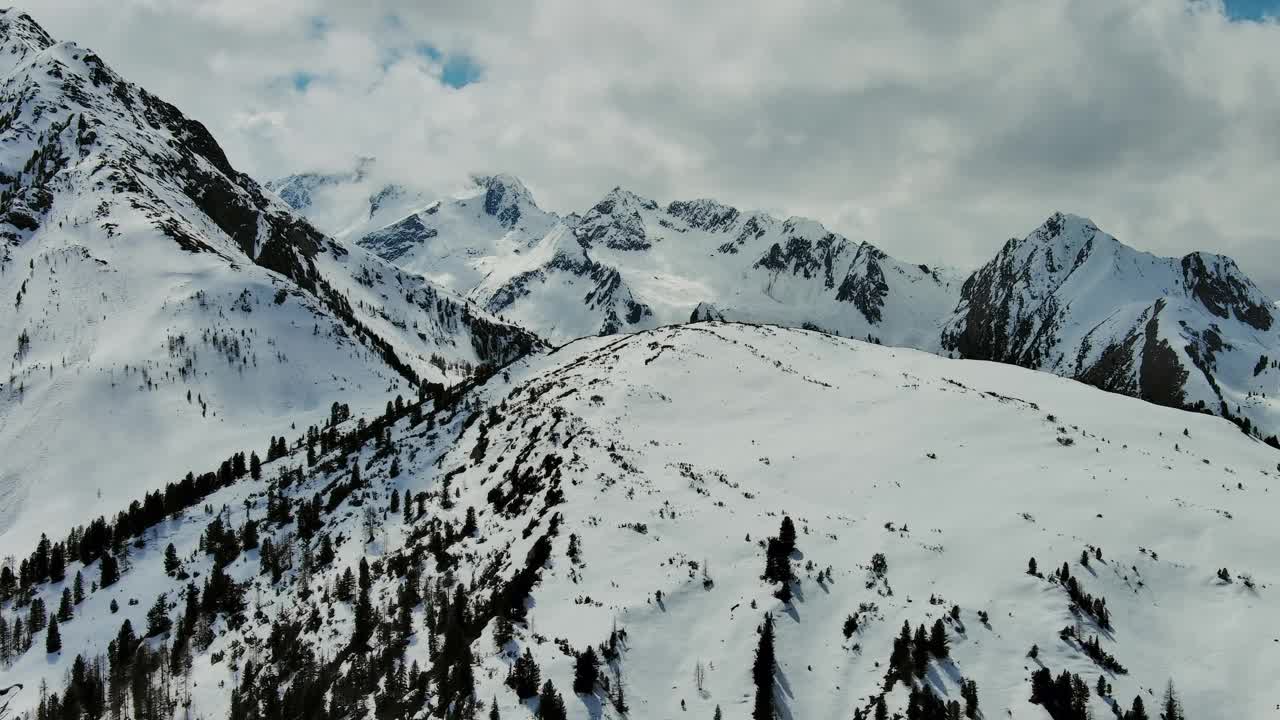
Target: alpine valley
x=326, y=447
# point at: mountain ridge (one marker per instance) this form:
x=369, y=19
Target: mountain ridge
x=1186, y=332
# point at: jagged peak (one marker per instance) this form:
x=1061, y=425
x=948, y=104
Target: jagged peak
x=620, y=198
x=704, y=213
x=20, y=32
x=503, y=180
x=1063, y=225
x=504, y=196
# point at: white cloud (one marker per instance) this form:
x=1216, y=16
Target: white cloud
x=935, y=130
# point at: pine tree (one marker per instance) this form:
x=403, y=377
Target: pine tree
x=1138, y=711
x=586, y=671
x=158, y=621
x=900, y=665
x=110, y=570
x=969, y=691
x=525, y=676
x=364, y=620
x=1031, y=567
x=938, y=644
x=65, y=612
x=249, y=535
x=881, y=710
x=718, y=715
x=1171, y=704
x=346, y=586
x=787, y=535
x=550, y=704
x=52, y=640
x=762, y=671
x=469, y=527
x=920, y=652
x=255, y=466
x=78, y=588
x=493, y=710
x=171, y=562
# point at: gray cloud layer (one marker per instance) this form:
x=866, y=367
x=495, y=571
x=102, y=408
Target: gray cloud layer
x=933, y=129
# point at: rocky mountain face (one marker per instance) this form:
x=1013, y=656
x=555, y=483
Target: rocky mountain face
x=164, y=304
x=611, y=527
x=1191, y=332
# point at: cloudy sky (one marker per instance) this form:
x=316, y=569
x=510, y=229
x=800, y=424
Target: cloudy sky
x=934, y=129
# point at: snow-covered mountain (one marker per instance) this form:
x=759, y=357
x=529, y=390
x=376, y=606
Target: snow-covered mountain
x=628, y=264
x=1191, y=332
x=627, y=494
x=166, y=310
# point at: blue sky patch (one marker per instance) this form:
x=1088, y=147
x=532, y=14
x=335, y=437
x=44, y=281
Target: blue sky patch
x=457, y=70
x=1252, y=9
x=302, y=80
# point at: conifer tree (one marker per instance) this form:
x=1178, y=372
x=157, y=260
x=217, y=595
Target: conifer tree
x=1137, y=711
x=78, y=588
x=550, y=704
x=171, y=562
x=586, y=671
x=1172, y=706
x=525, y=676
x=938, y=644
x=881, y=711
x=65, y=612
x=762, y=671
x=158, y=621
x=249, y=535
x=255, y=466
x=920, y=652
x=787, y=535
x=53, y=640
x=110, y=570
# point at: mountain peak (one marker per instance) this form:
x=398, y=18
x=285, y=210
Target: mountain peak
x=504, y=196
x=621, y=197
x=19, y=30
x=1061, y=224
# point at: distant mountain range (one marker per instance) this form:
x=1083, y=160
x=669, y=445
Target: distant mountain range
x=1192, y=332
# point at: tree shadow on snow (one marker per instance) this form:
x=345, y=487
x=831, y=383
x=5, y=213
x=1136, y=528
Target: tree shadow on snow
x=595, y=708
x=780, y=698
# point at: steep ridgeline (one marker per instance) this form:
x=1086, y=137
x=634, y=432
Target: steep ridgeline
x=618, y=518
x=165, y=309
x=629, y=264
x=1070, y=299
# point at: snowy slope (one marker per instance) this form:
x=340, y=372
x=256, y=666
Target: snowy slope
x=666, y=458
x=164, y=307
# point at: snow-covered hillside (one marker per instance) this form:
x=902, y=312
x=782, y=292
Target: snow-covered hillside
x=166, y=311
x=623, y=491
